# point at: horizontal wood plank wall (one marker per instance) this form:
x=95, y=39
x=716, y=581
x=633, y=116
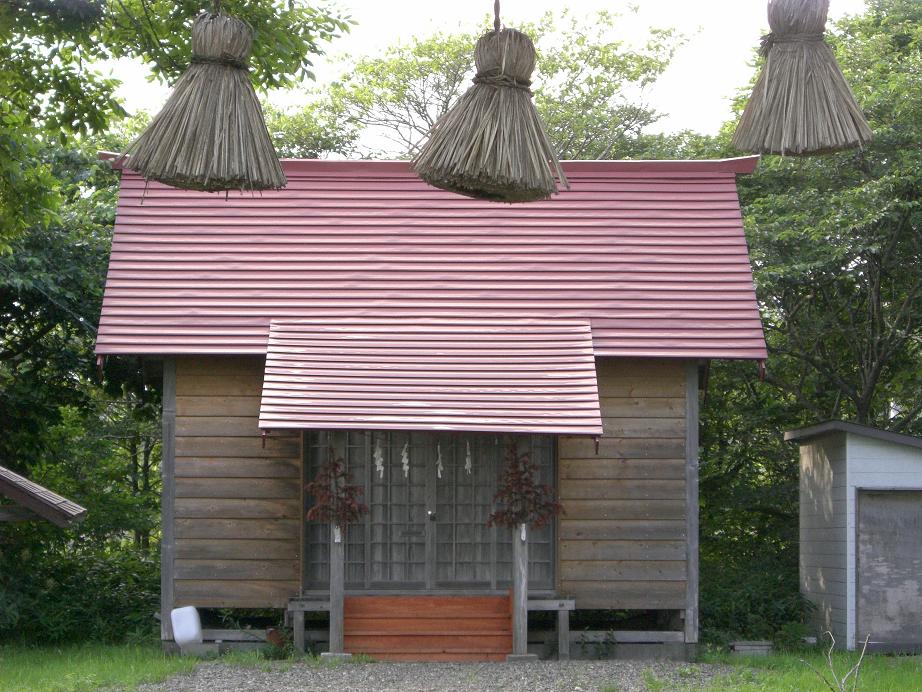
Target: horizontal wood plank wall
x=622, y=541
x=238, y=503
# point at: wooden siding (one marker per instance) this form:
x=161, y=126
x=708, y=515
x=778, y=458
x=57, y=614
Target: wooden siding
x=237, y=502
x=822, y=532
x=622, y=541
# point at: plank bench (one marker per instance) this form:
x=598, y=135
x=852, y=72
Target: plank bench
x=563, y=606
x=297, y=607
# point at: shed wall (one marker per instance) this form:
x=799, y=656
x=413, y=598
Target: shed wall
x=237, y=503
x=622, y=541
x=822, y=531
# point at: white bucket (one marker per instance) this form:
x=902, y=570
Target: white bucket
x=187, y=626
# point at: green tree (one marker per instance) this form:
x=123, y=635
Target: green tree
x=836, y=245
x=588, y=87
x=51, y=89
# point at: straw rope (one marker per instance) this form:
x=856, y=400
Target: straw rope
x=211, y=134
x=801, y=103
x=492, y=144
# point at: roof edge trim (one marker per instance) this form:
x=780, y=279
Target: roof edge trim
x=833, y=426
x=737, y=165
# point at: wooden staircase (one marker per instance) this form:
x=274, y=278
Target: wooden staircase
x=429, y=628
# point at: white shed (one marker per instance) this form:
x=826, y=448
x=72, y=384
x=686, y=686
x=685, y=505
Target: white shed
x=861, y=533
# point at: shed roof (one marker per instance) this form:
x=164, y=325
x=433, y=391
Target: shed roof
x=515, y=376
x=651, y=253
x=841, y=426
x=46, y=504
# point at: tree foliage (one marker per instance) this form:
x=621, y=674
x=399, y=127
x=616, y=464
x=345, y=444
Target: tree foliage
x=836, y=245
x=588, y=87
x=51, y=89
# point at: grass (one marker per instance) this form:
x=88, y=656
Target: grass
x=85, y=667
x=117, y=666
x=787, y=671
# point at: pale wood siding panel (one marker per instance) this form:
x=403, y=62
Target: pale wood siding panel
x=622, y=541
x=822, y=532
x=238, y=503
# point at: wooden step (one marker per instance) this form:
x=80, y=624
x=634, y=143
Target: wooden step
x=429, y=628
x=438, y=658
x=407, y=625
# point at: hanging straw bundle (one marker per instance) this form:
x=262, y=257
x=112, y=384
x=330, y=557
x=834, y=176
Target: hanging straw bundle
x=801, y=103
x=492, y=144
x=211, y=134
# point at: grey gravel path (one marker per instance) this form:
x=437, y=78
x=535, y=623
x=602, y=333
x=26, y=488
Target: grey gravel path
x=281, y=676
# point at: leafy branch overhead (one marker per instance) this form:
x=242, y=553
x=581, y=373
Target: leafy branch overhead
x=337, y=500
x=520, y=498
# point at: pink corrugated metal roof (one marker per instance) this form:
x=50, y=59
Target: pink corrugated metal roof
x=651, y=253
x=524, y=376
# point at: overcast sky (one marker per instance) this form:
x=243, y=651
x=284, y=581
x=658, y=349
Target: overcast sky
x=695, y=92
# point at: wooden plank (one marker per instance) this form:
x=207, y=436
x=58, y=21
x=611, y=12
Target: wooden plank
x=647, y=428
x=221, y=570
x=642, y=407
x=691, y=503
x=272, y=447
x=430, y=643
x=473, y=623
x=243, y=384
x=214, y=508
x=594, y=529
x=219, y=365
x=636, y=387
x=426, y=606
x=213, y=593
x=217, y=426
x=580, y=551
x=238, y=529
x=619, y=368
x=617, y=448
x=551, y=604
x=238, y=488
x=626, y=509
x=242, y=467
x=227, y=635
x=629, y=636
x=234, y=549
x=624, y=570
x=589, y=469
x=217, y=405
x=168, y=499
x=626, y=595
x=619, y=489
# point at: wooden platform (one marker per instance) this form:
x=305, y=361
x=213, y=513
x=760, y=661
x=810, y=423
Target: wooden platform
x=429, y=628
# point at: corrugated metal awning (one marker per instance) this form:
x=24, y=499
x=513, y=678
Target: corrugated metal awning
x=521, y=376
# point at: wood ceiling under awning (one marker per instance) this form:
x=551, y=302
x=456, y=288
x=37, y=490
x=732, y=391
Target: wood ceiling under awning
x=512, y=376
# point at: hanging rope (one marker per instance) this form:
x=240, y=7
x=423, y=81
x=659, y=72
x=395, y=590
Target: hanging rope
x=496, y=22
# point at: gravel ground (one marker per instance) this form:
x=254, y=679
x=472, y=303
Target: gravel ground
x=623, y=676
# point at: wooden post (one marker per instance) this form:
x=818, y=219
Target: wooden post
x=167, y=499
x=563, y=635
x=520, y=595
x=691, y=502
x=337, y=589
x=297, y=626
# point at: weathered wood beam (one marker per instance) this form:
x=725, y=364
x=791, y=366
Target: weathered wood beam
x=168, y=498
x=337, y=589
x=691, y=502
